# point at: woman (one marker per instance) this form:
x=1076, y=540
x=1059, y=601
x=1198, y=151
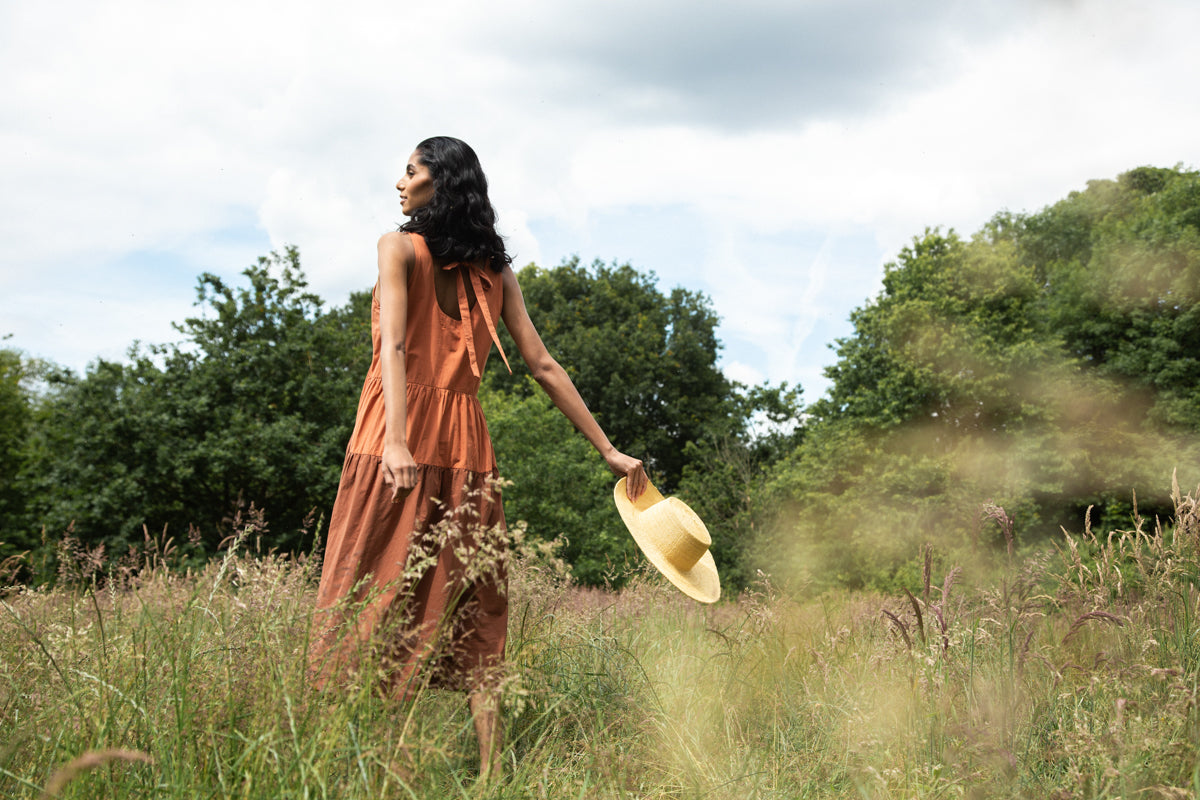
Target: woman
x=417, y=511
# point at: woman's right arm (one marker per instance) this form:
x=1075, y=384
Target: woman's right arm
x=396, y=260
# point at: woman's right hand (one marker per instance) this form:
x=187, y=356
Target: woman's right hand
x=631, y=469
x=399, y=470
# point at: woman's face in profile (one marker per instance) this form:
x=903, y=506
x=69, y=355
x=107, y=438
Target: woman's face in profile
x=416, y=187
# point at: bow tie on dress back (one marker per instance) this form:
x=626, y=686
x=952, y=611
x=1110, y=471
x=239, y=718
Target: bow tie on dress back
x=480, y=282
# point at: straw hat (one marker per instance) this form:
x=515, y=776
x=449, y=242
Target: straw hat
x=673, y=538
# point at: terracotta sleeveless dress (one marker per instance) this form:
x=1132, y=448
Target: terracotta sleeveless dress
x=417, y=588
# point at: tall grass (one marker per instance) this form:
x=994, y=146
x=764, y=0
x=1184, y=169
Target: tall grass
x=1068, y=674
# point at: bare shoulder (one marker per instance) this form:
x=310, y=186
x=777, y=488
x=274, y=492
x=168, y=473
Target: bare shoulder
x=512, y=301
x=396, y=252
x=396, y=242
x=509, y=277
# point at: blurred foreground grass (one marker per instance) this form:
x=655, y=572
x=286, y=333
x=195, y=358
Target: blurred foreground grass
x=1065, y=674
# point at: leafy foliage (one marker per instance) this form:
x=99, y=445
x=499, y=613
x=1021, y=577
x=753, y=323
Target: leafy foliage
x=16, y=412
x=1125, y=286
x=645, y=362
x=253, y=407
x=560, y=487
x=726, y=475
x=1048, y=363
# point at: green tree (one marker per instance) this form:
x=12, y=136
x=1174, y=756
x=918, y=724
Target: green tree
x=1047, y=364
x=726, y=475
x=560, y=485
x=645, y=362
x=16, y=412
x=254, y=406
x=1124, y=283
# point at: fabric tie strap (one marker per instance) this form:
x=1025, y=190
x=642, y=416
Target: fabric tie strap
x=478, y=281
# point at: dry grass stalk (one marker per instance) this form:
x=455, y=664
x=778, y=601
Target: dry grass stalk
x=948, y=583
x=916, y=606
x=927, y=572
x=90, y=760
x=1000, y=517
x=1103, y=616
x=900, y=626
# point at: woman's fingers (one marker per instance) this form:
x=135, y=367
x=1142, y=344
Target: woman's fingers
x=635, y=476
x=407, y=478
x=635, y=482
x=389, y=479
x=400, y=480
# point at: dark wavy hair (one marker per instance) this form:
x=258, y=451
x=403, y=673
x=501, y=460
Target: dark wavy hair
x=459, y=224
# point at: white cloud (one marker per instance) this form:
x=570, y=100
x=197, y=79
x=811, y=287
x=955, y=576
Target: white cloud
x=210, y=132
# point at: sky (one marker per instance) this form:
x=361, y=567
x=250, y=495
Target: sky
x=773, y=154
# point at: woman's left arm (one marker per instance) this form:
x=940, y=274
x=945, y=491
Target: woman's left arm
x=558, y=385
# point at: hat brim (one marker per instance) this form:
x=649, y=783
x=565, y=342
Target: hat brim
x=701, y=582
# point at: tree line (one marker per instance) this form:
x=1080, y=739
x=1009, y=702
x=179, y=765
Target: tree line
x=254, y=405
x=997, y=388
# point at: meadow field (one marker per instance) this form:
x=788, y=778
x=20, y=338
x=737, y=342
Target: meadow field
x=1068, y=671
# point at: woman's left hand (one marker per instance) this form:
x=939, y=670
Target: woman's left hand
x=399, y=470
x=631, y=469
